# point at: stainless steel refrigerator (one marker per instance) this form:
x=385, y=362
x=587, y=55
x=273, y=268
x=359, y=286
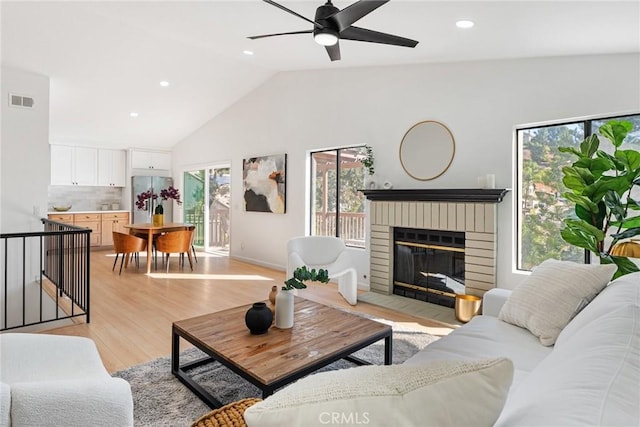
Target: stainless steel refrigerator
x=140, y=184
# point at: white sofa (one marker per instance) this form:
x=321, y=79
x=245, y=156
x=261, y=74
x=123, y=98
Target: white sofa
x=590, y=377
x=51, y=380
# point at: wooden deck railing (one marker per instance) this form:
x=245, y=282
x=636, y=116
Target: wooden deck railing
x=218, y=227
x=352, y=227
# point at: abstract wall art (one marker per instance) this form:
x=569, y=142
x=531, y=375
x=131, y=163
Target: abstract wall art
x=264, y=183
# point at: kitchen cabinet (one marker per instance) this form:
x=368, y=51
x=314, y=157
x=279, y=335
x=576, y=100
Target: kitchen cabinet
x=65, y=218
x=101, y=224
x=111, y=168
x=92, y=221
x=150, y=160
x=114, y=221
x=73, y=165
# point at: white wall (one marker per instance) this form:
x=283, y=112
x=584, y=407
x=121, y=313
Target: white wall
x=480, y=102
x=24, y=172
x=24, y=161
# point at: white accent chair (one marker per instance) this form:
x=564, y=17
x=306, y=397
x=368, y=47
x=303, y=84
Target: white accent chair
x=54, y=380
x=329, y=253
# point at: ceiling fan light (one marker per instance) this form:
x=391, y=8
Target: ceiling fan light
x=325, y=38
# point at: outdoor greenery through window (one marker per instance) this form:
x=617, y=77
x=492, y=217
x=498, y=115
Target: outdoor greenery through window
x=337, y=207
x=542, y=206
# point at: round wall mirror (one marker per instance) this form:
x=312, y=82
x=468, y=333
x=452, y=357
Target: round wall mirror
x=427, y=150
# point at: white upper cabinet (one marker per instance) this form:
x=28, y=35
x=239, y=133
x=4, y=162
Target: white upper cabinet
x=74, y=165
x=150, y=160
x=61, y=165
x=111, y=168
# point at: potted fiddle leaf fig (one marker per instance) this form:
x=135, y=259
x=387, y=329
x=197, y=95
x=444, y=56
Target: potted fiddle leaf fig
x=600, y=185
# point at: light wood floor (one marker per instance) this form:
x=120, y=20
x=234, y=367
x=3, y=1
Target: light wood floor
x=132, y=313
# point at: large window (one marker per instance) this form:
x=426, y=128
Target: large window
x=337, y=207
x=541, y=206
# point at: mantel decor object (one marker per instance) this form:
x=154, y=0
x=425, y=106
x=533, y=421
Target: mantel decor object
x=258, y=318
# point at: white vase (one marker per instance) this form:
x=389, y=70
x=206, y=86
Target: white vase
x=369, y=182
x=284, y=309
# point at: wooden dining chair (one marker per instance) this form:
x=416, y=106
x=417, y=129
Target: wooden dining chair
x=193, y=236
x=126, y=245
x=175, y=242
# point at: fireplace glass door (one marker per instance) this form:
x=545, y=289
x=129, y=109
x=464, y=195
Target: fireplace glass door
x=429, y=265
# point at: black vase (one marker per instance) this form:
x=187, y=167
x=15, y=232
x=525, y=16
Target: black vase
x=159, y=210
x=258, y=318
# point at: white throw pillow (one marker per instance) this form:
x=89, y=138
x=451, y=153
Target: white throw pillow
x=443, y=393
x=554, y=292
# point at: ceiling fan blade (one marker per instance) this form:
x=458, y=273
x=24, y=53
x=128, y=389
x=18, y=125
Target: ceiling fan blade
x=352, y=13
x=334, y=52
x=364, y=35
x=279, y=6
x=280, y=34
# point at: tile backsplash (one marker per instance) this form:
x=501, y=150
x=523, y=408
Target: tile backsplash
x=84, y=198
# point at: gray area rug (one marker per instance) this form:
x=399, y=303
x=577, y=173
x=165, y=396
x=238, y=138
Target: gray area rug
x=159, y=399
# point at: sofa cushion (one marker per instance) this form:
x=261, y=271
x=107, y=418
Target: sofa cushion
x=554, y=292
x=75, y=358
x=486, y=337
x=625, y=290
x=443, y=393
x=592, y=379
x=72, y=403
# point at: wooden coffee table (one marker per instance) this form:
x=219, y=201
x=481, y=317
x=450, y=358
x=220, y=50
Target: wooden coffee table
x=320, y=336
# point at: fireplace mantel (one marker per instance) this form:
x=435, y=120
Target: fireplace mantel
x=462, y=195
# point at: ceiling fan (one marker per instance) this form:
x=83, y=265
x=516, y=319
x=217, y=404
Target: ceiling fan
x=331, y=24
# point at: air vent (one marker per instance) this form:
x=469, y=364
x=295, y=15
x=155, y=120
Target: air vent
x=20, y=101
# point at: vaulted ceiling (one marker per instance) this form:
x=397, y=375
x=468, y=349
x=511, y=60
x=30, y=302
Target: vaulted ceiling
x=106, y=59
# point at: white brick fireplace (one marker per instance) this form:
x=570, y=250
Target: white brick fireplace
x=472, y=211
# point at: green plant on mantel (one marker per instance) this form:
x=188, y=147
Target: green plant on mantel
x=600, y=186
x=367, y=161
x=302, y=274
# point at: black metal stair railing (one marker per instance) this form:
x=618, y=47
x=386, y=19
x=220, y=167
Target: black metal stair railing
x=45, y=275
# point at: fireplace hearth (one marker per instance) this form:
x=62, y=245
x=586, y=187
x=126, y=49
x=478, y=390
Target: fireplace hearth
x=429, y=265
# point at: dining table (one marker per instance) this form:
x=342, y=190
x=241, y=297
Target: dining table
x=149, y=230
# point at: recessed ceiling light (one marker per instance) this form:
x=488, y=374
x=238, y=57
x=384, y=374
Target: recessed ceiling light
x=133, y=114
x=164, y=83
x=247, y=52
x=465, y=23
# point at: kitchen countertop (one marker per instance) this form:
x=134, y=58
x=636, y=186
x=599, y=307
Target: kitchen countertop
x=87, y=212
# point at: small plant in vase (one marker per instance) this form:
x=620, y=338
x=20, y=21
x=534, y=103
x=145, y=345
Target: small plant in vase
x=284, y=298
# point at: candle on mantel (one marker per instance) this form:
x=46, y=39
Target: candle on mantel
x=490, y=181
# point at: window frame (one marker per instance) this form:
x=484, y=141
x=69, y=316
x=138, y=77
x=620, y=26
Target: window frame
x=311, y=189
x=587, y=124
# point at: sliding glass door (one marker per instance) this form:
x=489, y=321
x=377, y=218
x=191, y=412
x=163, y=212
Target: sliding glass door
x=206, y=205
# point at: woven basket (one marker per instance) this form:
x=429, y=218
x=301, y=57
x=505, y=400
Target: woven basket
x=230, y=415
